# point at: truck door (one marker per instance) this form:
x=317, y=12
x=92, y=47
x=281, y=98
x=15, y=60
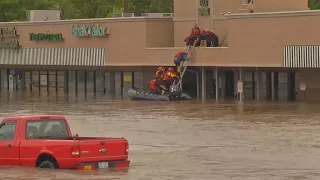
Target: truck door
x=9, y=151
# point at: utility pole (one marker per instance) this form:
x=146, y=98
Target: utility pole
x=126, y=6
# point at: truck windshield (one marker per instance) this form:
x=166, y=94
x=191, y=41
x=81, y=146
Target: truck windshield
x=46, y=129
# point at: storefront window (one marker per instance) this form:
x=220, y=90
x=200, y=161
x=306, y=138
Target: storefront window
x=100, y=81
x=81, y=81
x=27, y=75
x=107, y=82
x=52, y=81
x=35, y=81
x=4, y=79
x=90, y=83
x=138, y=79
x=72, y=81
x=118, y=83
x=61, y=78
x=127, y=81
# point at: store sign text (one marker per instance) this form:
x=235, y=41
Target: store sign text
x=89, y=30
x=9, y=44
x=8, y=33
x=46, y=37
x=204, y=10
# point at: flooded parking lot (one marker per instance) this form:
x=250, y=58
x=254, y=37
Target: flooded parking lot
x=188, y=140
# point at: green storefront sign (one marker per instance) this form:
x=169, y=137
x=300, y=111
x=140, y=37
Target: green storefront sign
x=204, y=2
x=46, y=37
x=89, y=30
x=8, y=33
x=204, y=10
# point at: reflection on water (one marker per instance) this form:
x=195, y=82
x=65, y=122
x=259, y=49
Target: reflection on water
x=187, y=140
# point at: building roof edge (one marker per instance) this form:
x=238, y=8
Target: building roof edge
x=78, y=21
x=274, y=14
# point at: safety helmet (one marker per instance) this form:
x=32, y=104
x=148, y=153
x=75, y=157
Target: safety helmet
x=160, y=68
x=170, y=70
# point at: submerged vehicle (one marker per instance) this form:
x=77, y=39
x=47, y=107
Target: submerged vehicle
x=175, y=94
x=45, y=141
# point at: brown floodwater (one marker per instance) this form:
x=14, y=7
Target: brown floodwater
x=187, y=140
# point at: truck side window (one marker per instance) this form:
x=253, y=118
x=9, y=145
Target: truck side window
x=46, y=129
x=7, y=130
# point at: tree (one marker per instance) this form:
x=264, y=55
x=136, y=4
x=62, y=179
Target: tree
x=106, y=8
x=314, y=4
x=67, y=9
x=151, y=6
x=164, y=6
x=11, y=10
x=84, y=9
x=17, y=9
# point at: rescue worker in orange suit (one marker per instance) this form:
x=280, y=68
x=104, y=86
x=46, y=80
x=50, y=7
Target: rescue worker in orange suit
x=194, y=37
x=179, y=60
x=156, y=87
x=169, y=77
x=160, y=71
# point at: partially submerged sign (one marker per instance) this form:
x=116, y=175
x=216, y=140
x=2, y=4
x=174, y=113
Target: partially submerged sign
x=89, y=30
x=46, y=37
x=6, y=35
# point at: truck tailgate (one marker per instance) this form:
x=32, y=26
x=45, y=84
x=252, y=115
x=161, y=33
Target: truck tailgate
x=104, y=149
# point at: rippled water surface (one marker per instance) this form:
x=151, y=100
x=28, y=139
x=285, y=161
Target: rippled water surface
x=189, y=140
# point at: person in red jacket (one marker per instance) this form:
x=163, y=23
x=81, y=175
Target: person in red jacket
x=186, y=40
x=212, y=39
x=195, y=30
x=156, y=87
x=202, y=39
x=194, y=37
x=179, y=60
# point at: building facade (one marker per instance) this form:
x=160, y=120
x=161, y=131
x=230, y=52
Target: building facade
x=269, y=51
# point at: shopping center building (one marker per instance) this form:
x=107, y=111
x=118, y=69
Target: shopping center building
x=270, y=51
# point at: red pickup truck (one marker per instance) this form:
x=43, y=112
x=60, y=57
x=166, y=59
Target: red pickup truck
x=45, y=141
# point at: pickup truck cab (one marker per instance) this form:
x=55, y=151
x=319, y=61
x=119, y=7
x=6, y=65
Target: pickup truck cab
x=46, y=141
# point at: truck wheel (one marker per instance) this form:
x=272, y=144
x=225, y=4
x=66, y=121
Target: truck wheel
x=47, y=164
